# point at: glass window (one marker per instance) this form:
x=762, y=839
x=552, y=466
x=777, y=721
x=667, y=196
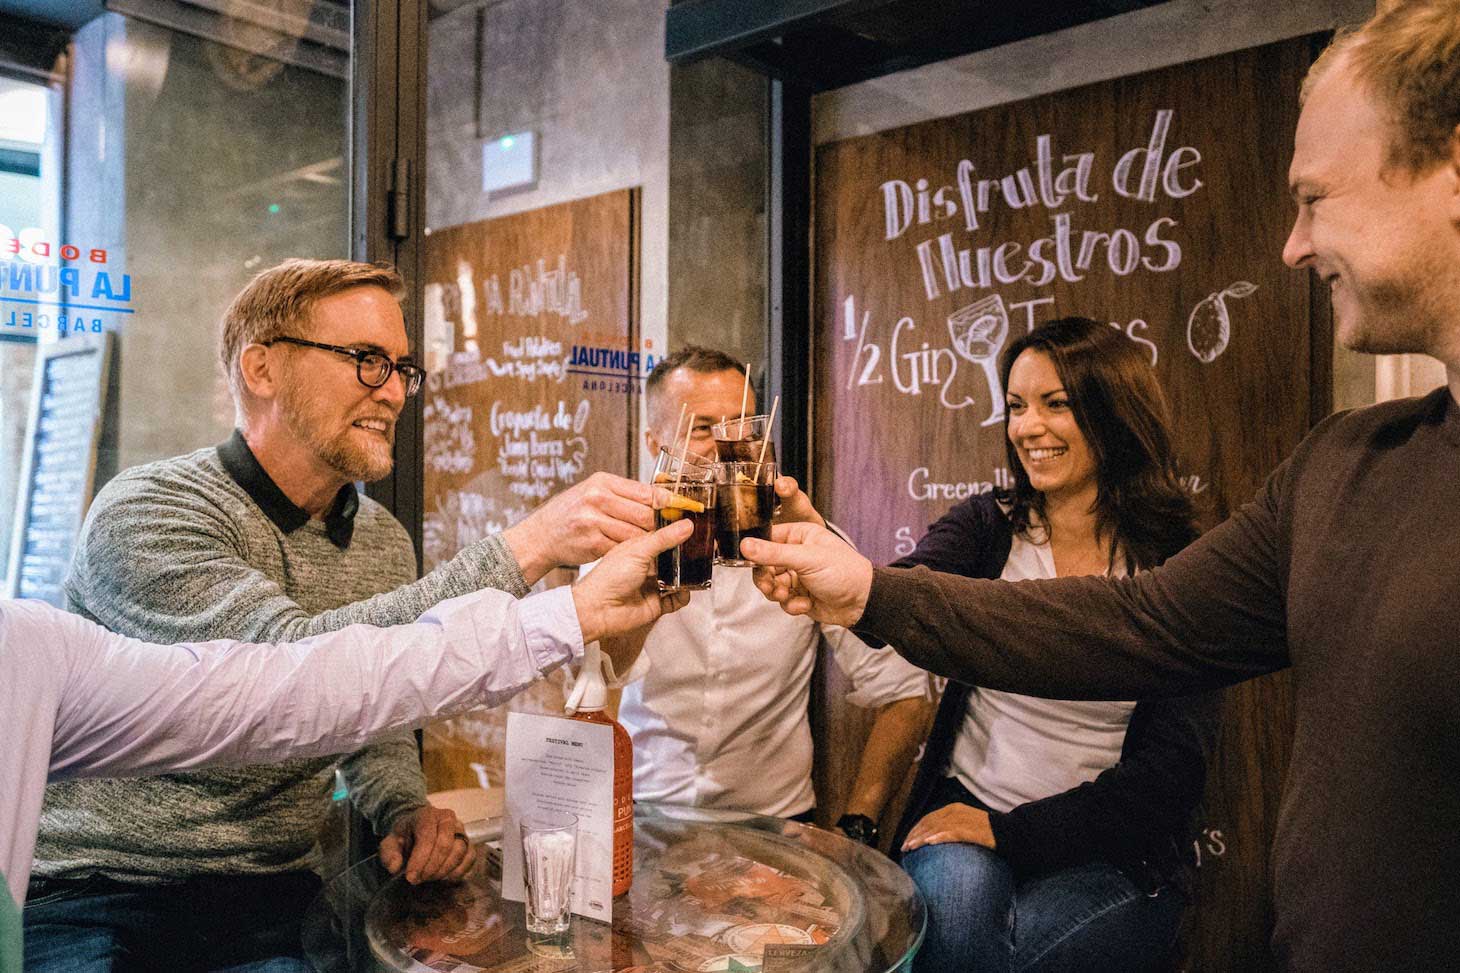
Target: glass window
x=196, y=148
x=29, y=200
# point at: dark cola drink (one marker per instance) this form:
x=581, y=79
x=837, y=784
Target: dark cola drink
x=745, y=503
x=688, y=490
x=743, y=440
x=744, y=450
x=690, y=564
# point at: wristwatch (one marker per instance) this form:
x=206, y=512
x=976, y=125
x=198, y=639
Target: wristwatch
x=859, y=828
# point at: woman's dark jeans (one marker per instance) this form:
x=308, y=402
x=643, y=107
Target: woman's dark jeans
x=983, y=919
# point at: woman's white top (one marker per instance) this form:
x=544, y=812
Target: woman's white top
x=1015, y=749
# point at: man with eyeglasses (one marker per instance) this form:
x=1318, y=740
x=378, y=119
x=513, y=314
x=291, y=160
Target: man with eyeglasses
x=266, y=539
x=373, y=367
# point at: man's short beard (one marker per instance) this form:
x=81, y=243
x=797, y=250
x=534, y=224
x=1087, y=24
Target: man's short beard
x=353, y=464
x=1396, y=319
x=350, y=463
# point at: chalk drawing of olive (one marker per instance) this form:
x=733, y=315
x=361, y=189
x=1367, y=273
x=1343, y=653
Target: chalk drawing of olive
x=1209, y=327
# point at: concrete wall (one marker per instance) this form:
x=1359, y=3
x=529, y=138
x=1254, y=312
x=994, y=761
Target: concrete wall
x=1171, y=33
x=591, y=81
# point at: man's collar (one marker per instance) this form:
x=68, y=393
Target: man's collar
x=243, y=466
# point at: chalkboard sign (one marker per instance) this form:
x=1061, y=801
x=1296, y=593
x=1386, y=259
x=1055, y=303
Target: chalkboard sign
x=1157, y=203
x=535, y=369
x=59, y=466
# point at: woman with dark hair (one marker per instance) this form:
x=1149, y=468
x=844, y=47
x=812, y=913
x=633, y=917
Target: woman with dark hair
x=1045, y=834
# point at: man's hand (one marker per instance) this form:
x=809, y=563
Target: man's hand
x=810, y=571
x=951, y=822
x=580, y=524
x=621, y=594
x=430, y=844
x=795, y=504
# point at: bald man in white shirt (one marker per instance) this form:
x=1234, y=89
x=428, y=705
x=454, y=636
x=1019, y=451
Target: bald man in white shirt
x=719, y=717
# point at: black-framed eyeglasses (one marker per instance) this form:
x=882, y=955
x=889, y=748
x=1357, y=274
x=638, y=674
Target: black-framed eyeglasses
x=372, y=368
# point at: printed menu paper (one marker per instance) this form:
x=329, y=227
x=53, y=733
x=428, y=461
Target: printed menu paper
x=558, y=764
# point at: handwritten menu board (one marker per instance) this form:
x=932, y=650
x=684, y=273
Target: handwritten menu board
x=1156, y=203
x=530, y=337
x=59, y=466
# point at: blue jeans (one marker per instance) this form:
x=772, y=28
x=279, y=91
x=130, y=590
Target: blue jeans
x=984, y=919
x=222, y=924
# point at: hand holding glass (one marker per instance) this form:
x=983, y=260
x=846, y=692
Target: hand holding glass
x=689, y=492
x=741, y=440
x=745, y=503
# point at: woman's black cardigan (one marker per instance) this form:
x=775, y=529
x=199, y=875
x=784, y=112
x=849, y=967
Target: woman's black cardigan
x=1136, y=815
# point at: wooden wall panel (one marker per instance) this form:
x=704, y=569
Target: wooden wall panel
x=530, y=328
x=1155, y=202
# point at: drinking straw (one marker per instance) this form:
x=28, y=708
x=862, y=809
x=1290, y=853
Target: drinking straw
x=684, y=453
x=744, y=397
x=766, y=439
x=680, y=424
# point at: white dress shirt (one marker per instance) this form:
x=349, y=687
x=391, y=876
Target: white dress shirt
x=719, y=717
x=79, y=701
x=1013, y=749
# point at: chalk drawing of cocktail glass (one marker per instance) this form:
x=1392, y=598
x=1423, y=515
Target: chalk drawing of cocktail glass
x=978, y=332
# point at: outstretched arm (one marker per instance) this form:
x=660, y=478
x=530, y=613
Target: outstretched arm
x=170, y=563
x=1210, y=616
x=127, y=707
x=580, y=524
x=130, y=707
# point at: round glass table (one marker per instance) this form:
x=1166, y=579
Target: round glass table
x=713, y=891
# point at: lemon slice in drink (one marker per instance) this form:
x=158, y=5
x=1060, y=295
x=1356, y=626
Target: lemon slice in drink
x=675, y=506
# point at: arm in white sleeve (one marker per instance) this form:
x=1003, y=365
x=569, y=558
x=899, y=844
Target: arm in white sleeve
x=130, y=708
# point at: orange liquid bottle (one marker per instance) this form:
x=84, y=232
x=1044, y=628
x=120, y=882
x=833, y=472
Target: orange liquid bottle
x=591, y=708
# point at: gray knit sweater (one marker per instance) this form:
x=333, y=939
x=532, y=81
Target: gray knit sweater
x=179, y=550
